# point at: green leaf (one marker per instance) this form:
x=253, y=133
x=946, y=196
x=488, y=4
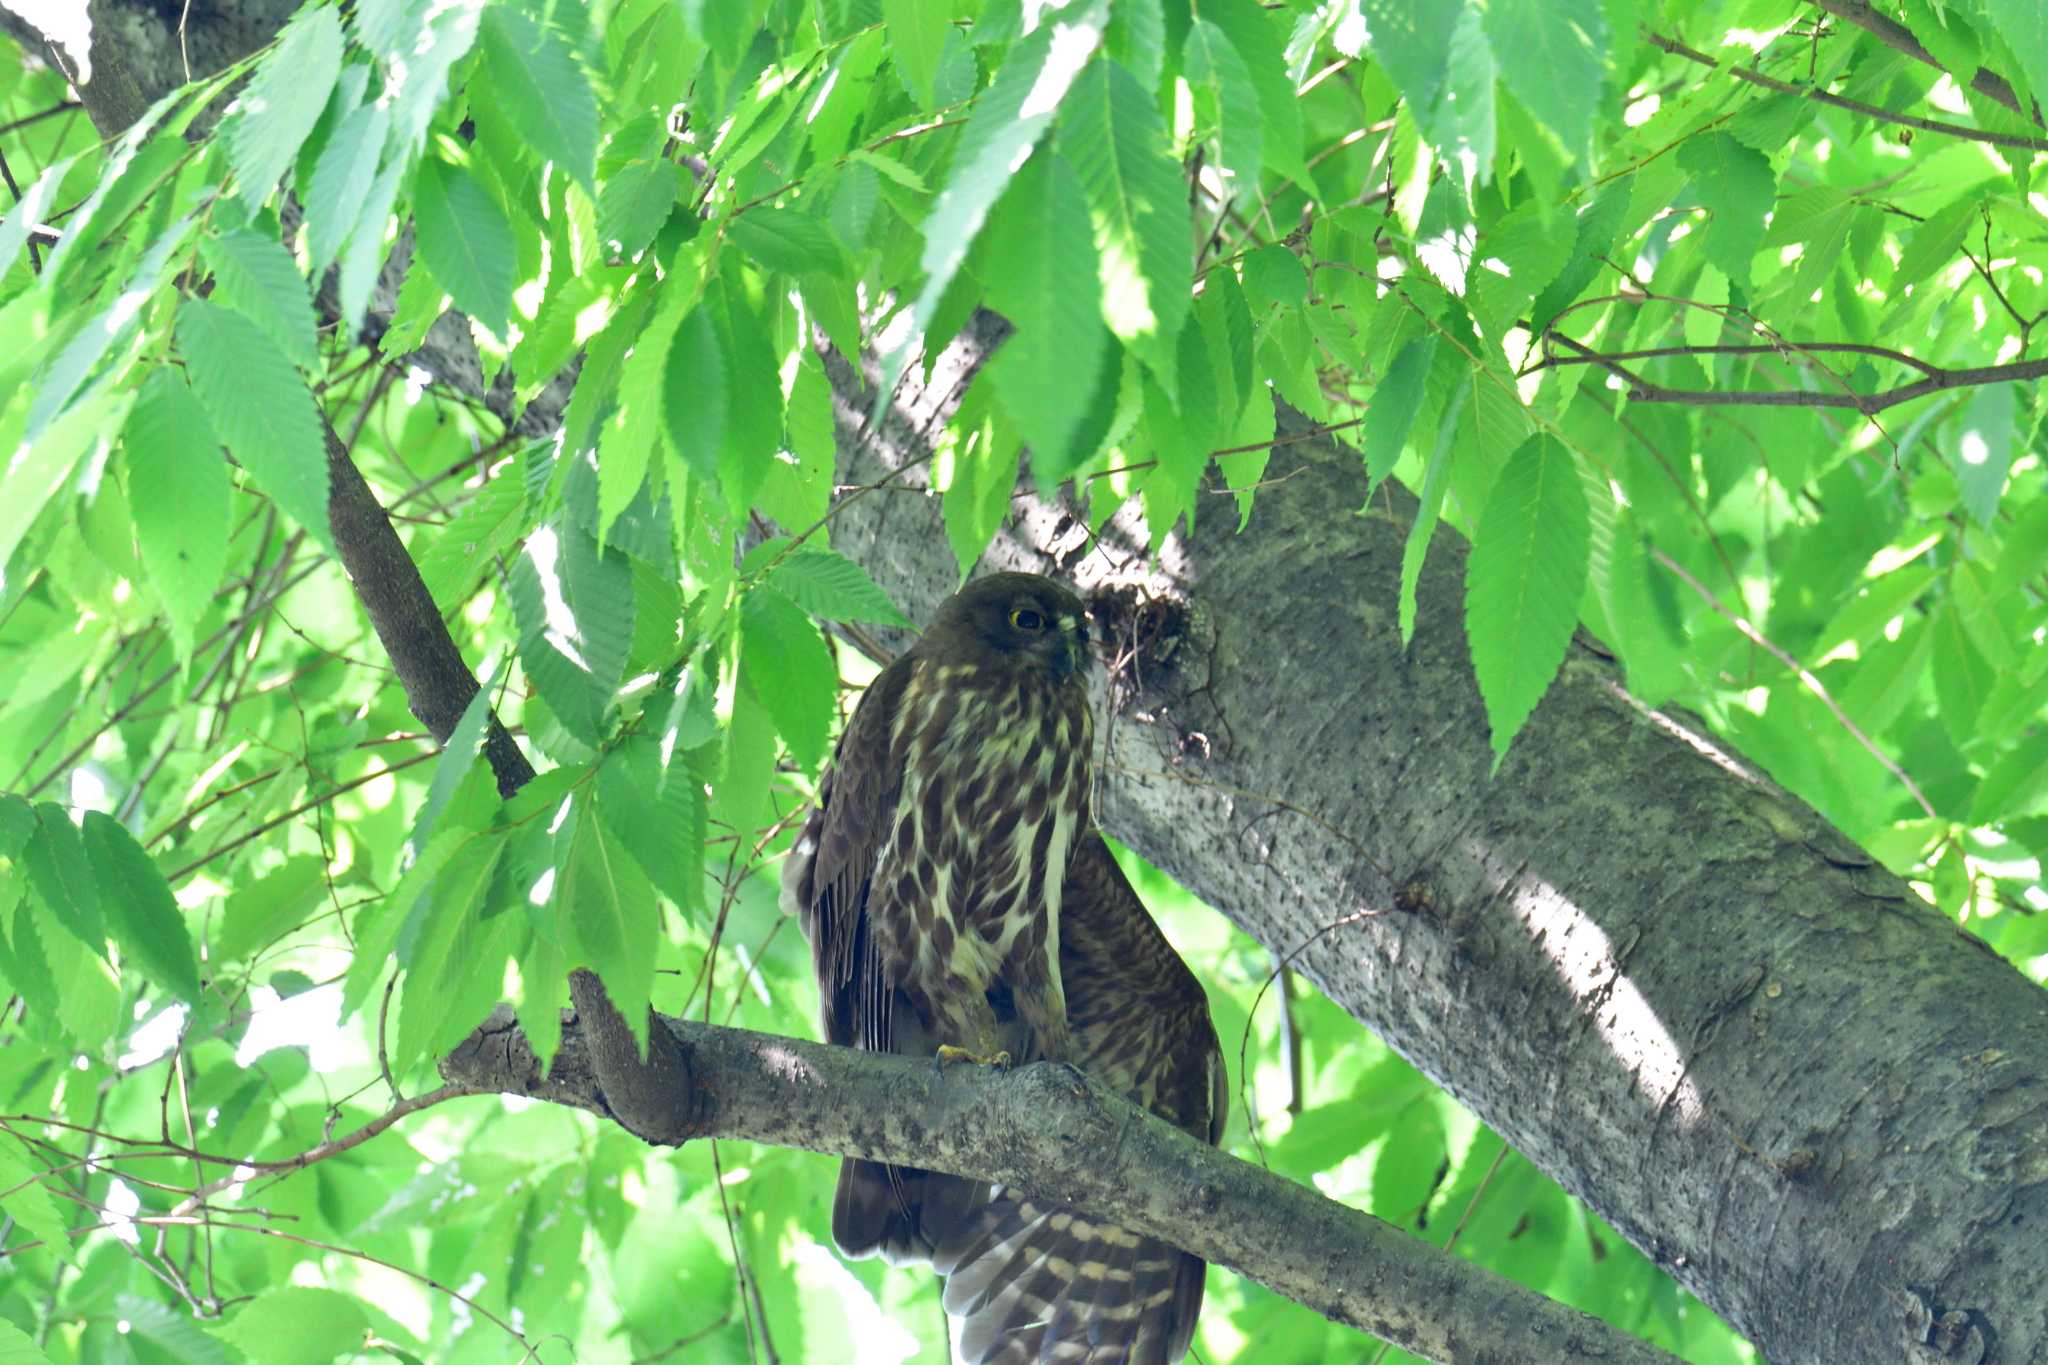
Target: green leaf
x=26, y=1199
x=656, y=810
x=17, y=825
x=283, y=102
x=19, y=1348
x=543, y=991
x=458, y=756
x=1111, y=133
x=610, y=910
x=178, y=492
x=1599, y=223
x=378, y=925
x=917, y=35
x=1436, y=478
x=634, y=202
x=696, y=394
x=1516, y=258
x=1395, y=403
x=1524, y=581
x=790, y=670
x=173, y=1330
x=296, y=1325
x=1008, y=119
x=1226, y=101
x=542, y=90
x=466, y=240
x=30, y=478
x=339, y=191
x=1819, y=218
x=257, y=277
x=259, y=912
x=826, y=583
x=1737, y=188
x=140, y=909
x=1933, y=243
x=2024, y=25
x=259, y=407
x=1982, y=450
x=1553, y=56
x=1046, y=286
x=33, y=209
x=1273, y=276
x=787, y=241
x=1258, y=40
x=1962, y=678
x=61, y=872
x=574, y=609
x=444, y=953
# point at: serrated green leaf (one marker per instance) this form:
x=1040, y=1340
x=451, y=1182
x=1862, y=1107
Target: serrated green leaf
x=259, y=911
x=1047, y=288
x=797, y=488
x=32, y=475
x=574, y=609
x=543, y=991
x=1273, y=276
x=543, y=91
x=1436, y=479
x=453, y=561
x=1226, y=102
x=1110, y=131
x=826, y=583
x=174, y=1331
x=1008, y=119
x=1819, y=218
x=442, y=949
x=891, y=167
x=296, y=1325
x=339, y=191
x=260, y=409
x=33, y=208
x=379, y=923
x=787, y=241
x=140, y=909
x=789, y=669
x=634, y=202
x=26, y=1199
x=19, y=1348
x=1982, y=451
x=1553, y=56
x=178, y=492
x=457, y=757
x=256, y=276
x=283, y=102
x=2024, y=25
x=61, y=872
x=753, y=428
x=1524, y=581
x=466, y=240
x=1737, y=188
x=1395, y=403
x=609, y=909
x=1933, y=243
x=1598, y=224
x=17, y=825
x=917, y=35
x=1962, y=678
x=656, y=810
x=697, y=395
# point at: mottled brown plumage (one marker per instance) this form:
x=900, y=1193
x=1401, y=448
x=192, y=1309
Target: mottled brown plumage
x=1034, y=1281
x=930, y=884
x=929, y=876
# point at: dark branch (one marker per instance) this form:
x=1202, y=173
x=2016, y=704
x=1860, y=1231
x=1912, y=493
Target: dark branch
x=1050, y=1129
x=1899, y=38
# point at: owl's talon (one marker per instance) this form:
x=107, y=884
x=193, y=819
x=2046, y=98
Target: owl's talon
x=948, y=1055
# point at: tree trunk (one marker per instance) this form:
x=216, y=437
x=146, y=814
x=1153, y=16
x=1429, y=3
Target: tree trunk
x=1670, y=984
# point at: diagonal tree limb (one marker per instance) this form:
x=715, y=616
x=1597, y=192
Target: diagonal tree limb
x=1050, y=1129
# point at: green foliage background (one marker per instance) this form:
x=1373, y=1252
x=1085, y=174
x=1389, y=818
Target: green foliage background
x=1713, y=325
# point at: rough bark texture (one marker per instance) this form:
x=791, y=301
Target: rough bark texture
x=1049, y=1128
x=1669, y=983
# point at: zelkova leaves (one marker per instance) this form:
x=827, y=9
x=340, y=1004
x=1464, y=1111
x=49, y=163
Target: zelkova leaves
x=1523, y=582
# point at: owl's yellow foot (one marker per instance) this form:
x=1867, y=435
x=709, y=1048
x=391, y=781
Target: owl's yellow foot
x=948, y=1054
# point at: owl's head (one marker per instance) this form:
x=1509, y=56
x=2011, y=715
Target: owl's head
x=1018, y=617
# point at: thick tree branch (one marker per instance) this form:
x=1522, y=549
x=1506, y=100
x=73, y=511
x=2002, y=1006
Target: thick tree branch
x=1052, y=1130
x=1899, y=38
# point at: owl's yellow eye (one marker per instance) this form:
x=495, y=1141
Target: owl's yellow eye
x=1024, y=618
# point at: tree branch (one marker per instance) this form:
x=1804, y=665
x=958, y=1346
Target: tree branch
x=1051, y=1130
x=1899, y=38
x=1872, y=111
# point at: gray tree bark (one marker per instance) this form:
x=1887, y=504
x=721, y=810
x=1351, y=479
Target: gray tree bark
x=1669, y=983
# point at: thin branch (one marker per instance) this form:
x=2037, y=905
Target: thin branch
x=1938, y=380
x=1925, y=125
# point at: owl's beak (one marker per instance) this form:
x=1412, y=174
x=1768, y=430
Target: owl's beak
x=1073, y=654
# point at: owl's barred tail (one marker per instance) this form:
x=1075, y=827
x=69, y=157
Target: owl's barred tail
x=1036, y=1283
